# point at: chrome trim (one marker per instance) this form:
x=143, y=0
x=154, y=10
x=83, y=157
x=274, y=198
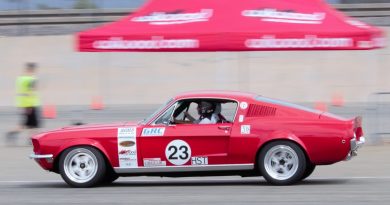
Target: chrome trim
x=191, y=168
x=41, y=156
x=355, y=145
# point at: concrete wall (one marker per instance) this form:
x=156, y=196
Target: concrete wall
x=71, y=78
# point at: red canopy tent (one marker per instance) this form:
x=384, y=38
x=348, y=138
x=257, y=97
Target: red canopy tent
x=232, y=25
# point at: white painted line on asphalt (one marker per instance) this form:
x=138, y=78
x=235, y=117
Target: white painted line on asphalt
x=194, y=180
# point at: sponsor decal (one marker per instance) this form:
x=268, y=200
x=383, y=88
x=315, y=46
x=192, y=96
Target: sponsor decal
x=127, y=152
x=154, y=162
x=273, y=15
x=243, y=105
x=379, y=41
x=245, y=129
x=156, y=42
x=127, y=162
x=199, y=160
x=178, y=152
x=241, y=118
x=127, y=132
x=374, y=42
x=309, y=41
x=127, y=147
x=127, y=143
x=166, y=18
x=365, y=44
x=155, y=131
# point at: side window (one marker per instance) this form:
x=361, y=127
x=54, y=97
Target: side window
x=186, y=112
x=166, y=117
x=229, y=110
x=190, y=108
x=193, y=110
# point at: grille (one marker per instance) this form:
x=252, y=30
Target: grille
x=260, y=111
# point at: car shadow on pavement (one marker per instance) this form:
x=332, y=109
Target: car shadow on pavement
x=323, y=181
x=45, y=185
x=221, y=183
x=184, y=183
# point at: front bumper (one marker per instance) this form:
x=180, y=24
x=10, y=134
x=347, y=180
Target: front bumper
x=355, y=145
x=41, y=156
x=44, y=160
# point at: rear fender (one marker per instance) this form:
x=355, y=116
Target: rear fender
x=283, y=135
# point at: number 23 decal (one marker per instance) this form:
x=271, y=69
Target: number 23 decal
x=178, y=152
x=183, y=149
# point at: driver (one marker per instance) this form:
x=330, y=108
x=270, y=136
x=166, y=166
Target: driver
x=206, y=113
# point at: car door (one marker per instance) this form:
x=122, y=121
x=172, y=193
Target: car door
x=184, y=144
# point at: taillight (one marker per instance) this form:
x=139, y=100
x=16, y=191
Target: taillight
x=358, y=127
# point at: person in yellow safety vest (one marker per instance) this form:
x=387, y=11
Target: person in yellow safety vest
x=28, y=101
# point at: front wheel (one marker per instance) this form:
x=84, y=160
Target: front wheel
x=82, y=167
x=282, y=163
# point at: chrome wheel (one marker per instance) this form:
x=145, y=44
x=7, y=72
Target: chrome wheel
x=80, y=165
x=281, y=162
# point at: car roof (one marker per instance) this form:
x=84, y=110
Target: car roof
x=216, y=94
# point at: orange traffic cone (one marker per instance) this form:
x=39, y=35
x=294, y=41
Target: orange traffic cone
x=338, y=100
x=321, y=106
x=97, y=103
x=49, y=111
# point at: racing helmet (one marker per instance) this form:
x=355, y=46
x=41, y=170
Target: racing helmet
x=205, y=107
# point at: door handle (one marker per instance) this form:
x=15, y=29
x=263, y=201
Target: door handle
x=224, y=127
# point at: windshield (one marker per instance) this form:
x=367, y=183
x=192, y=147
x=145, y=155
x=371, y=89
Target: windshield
x=156, y=112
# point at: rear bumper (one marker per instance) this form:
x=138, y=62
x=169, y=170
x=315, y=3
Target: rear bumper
x=355, y=145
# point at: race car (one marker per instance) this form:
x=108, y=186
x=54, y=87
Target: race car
x=203, y=133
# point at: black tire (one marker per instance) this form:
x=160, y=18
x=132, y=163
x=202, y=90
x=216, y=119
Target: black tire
x=110, y=176
x=309, y=170
x=78, y=161
x=278, y=169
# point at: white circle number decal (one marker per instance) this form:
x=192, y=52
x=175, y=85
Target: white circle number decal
x=178, y=152
x=243, y=105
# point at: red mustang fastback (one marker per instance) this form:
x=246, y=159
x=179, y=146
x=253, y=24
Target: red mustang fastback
x=205, y=133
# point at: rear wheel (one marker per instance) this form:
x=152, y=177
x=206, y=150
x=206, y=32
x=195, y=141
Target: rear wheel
x=282, y=163
x=82, y=166
x=309, y=170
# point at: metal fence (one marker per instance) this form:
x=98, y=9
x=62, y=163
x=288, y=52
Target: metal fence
x=7, y=5
x=98, y=15
x=67, y=4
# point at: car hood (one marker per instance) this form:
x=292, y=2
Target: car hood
x=100, y=126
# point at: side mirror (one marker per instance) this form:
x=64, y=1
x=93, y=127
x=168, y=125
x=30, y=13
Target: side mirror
x=169, y=122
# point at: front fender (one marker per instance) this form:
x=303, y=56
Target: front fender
x=83, y=142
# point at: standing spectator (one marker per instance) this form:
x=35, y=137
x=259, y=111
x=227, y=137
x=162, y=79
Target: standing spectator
x=28, y=101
